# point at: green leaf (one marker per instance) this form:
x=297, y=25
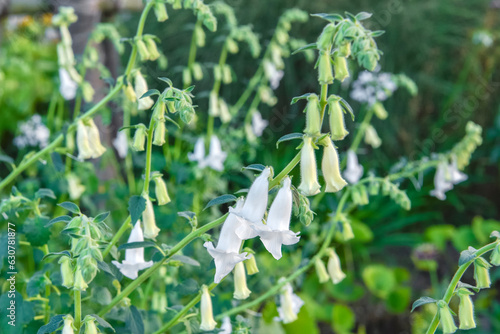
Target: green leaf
x=150, y=92
x=377, y=33
x=66, y=253
x=44, y=192
x=189, y=215
x=70, y=206
x=101, y=217
x=398, y=300
x=305, y=48
x=167, y=80
x=379, y=279
x=59, y=219
x=134, y=321
x=35, y=231
x=301, y=97
x=136, y=206
x=466, y=256
x=343, y=318
x=137, y=244
x=221, y=200
x=52, y=326
x=363, y=16
x=422, y=301
x=290, y=136
x=7, y=159
x=256, y=167
x=347, y=107
x=102, y=322
x=172, y=121
x=185, y=259
x=189, y=89
x=329, y=17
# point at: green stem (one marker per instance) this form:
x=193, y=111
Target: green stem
x=125, y=226
x=323, y=101
x=454, y=282
x=248, y=91
x=215, y=90
x=78, y=310
x=58, y=141
x=181, y=244
x=291, y=165
x=149, y=149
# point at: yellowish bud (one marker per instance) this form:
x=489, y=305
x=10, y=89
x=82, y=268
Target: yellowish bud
x=161, y=191
x=325, y=71
x=309, y=185
x=80, y=283
x=152, y=49
x=482, y=273
x=251, y=265
x=331, y=169
x=341, y=69
x=321, y=271
x=139, y=138
x=334, y=269
x=66, y=272
x=466, y=309
x=148, y=217
x=313, y=126
x=159, y=134
x=241, y=290
x=337, y=123
x=207, y=317
x=371, y=137
x=95, y=140
x=379, y=110
x=143, y=50
x=160, y=11
x=446, y=318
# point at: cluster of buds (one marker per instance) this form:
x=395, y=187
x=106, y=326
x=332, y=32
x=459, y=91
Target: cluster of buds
x=332, y=271
x=146, y=47
x=88, y=140
x=463, y=150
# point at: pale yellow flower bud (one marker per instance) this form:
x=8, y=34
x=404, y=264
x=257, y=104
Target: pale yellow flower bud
x=325, y=71
x=466, y=309
x=148, y=217
x=251, y=265
x=341, y=69
x=371, y=137
x=66, y=272
x=161, y=191
x=334, y=269
x=95, y=140
x=337, y=123
x=313, y=126
x=241, y=290
x=331, y=169
x=309, y=185
x=321, y=271
x=207, y=317
x=82, y=142
x=159, y=134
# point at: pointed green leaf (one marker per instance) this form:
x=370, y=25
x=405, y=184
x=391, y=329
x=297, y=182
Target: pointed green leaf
x=256, y=167
x=101, y=217
x=363, y=16
x=59, y=219
x=305, y=48
x=137, y=244
x=70, y=206
x=43, y=192
x=136, y=206
x=302, y=97
x=150, y=92
x=290, y=136
x=329, y=17
x=221, y=200
x=422, y=301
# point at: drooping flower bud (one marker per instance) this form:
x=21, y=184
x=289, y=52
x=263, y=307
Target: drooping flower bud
x=141, y=87
x=495, y=256
x=152, y=49
x=66, y=272
x=321, y=271
x=207, y=317
x=337, y=123
x=129, y=93
x=347, y=233
x=87, y=91
x=139, y=138
x=331, y=169
x=371, y=137
x=148, y=217
x=159, y=110
x=313, y=126
x=94, y=140
x=325, y=40
x=290, y=305
x=213, y=104
x=75, y=187
x=241, y=290
x=379, y=110
x=345, y=50
x=251, y=265
x=306, y=215
x=90, y=326
x=186, y=77
x=159, y=134
x=142, y=50
x=227, y=75
x=482, y=273
x=80, y=283
x=161, y=191
x=160, y=11
x=325, y=71
x=68, y=327
x=197, y=71
x=224, y=115
x=341, y=69
x=88, y=267
x=82, y=142
x=134, y=257
x=231, y=45
x=446, y=318
x=309, y=185
x=334, y=269
x=466, y=309
x=353, y=170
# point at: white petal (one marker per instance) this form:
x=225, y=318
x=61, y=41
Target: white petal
x=256, y=200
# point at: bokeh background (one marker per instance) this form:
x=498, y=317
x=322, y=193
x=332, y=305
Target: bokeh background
x=441, y=45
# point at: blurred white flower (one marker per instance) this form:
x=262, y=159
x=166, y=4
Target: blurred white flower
x=290, y=305
x=67, y=86
x=371, y=87
x=258, y=124
x=207, y=316
x=226, y=327
x=32, y=133
x=215, y=158
x=447, y=175
x=273, y=74
x=334, y=269
x=75, y=187
x=121, y=144
x=134, y=257
x=141, y=87
x=354, y=170
x=482, y=37
x=227, y=253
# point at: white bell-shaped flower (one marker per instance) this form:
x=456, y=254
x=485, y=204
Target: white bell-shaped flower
x=207, y=316
x=68, y=86
x=290, y=305
x=141, y=87
x=258, y=124
x=134, y=257
x=226, y=327
x=309, y=185
x=216, y=156
x=94, y=139
x=353, y=171
x=253, y=210
x=148, y=217
x=227, y=253
x=333, y=266
x=241, y=290
x=277, y=231
x=442, y=183
x=82, y=142
x=331, y=169
x=273, y=74
x=371, y=137
x=198, y=154
x=455, y=175
x=75, y=187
